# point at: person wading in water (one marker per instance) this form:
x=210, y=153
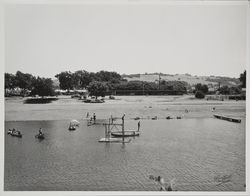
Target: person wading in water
x=139, y=125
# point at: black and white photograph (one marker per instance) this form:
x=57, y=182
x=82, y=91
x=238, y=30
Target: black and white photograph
x=125, y=97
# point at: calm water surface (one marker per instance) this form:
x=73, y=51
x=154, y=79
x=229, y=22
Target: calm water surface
x=193, y=151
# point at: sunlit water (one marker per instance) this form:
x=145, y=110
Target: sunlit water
x=193, y=151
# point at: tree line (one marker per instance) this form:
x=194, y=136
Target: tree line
x=201, y=89
x=104, y=82
x=29, y=84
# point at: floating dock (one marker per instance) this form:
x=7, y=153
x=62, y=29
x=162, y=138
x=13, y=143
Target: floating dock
x=227, y=118
x=125, y=134
x=114, y=140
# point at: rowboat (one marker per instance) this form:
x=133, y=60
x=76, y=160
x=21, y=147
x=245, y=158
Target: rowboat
x=15, y=133
x=40, y=136
x=72, y=128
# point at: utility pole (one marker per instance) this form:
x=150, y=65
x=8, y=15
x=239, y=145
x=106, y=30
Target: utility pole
x=123, y=128
x=143, y=88
x=159, y=80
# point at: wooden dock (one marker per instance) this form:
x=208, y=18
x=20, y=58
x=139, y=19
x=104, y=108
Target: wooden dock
x=227, y=118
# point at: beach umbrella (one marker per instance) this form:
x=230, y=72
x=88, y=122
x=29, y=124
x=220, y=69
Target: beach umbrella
x=74, y=122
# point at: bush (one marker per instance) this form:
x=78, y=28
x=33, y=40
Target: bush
x=199, y=95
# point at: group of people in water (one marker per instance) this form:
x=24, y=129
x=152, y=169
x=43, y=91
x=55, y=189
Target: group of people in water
x=92, y=118
x=163, y=185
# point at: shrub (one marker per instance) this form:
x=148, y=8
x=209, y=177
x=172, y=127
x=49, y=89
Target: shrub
x=199, y=95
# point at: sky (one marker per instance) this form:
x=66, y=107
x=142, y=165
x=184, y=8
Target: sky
x=200, y=39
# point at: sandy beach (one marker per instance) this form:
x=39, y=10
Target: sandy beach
x=133, y=106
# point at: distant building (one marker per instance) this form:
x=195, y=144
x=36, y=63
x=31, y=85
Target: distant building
x=211, y=90
x=71, y=92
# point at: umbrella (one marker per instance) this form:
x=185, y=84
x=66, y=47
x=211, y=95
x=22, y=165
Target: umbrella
x=74, y=122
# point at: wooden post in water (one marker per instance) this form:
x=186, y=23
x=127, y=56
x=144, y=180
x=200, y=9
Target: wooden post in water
x=109, y=129
x=123, y=128
x=105, y=131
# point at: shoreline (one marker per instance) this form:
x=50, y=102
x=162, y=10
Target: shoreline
x=66, y=108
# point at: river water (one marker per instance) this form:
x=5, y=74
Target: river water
x=193, y=152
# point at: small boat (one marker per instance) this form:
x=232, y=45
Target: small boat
x=15, y=133
x=72, y=128
x=137, y=118
x=168, y=117
x=40, y=136
x=154, y=118
x=178, y=117
x=126, y=133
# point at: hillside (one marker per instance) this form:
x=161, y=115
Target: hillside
x=192, y=80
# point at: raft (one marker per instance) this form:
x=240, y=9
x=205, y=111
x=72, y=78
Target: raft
x=126, y=134
x=228, y=118
x=113, y=140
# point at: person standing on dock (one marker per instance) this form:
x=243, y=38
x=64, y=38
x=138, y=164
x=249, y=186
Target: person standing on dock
x=123, y=118
x=139, y=125
x=94, y=117
x=112, y=120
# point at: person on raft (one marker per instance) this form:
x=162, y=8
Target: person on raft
x=40, y=131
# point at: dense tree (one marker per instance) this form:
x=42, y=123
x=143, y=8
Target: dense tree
x=82, y=78
x=43, y=87
x=24, y=80
x=178, y=86
x=234, y=90
x=136, y=85
x=66, y=80
x=106, y=76
x=243, y=79
x=201, y=87
x=224, y=90
x=97, y=89
x=9, y=81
